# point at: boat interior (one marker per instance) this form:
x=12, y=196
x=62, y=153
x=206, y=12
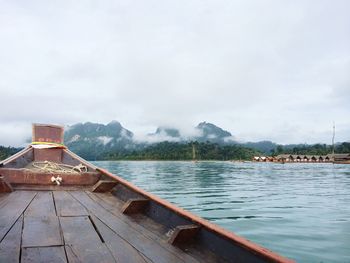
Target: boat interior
x=57, y=207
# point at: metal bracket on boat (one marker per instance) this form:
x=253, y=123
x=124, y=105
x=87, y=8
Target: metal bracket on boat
x=57, y=180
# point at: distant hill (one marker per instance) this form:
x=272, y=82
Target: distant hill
x=212, y=133
x=171, y=132
x=204, y=131
x=91, y=140
x=95, y=141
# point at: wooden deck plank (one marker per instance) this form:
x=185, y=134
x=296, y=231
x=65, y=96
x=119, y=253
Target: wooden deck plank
x=5, y=186
x=140, y=222
x=121, y=250
x=41, y=226
x=41, y=231
x=3, y=197
x=12, y=208
x=148, y=227
x=66, y=205
x=10, y=246
x=155, y=251
x=110, y=201
x=42, y=205
x=43, y=255
x=83, y=242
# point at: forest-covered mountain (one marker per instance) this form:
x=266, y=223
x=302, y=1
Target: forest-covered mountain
x=203, y=132
x=94, y=141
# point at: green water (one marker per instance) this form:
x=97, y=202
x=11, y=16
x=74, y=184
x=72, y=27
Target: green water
x=301, y=211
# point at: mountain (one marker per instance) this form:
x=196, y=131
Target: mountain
x=204, y=131
x=212, y=133
x=170, y=132
x=94, y=140
x=90, y=140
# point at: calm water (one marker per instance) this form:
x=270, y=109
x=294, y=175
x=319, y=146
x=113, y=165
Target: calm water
x=301, y=211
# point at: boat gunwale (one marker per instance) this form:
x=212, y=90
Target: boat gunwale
x=16, y=155
x=247, y=244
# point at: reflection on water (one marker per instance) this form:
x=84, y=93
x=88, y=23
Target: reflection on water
x=299, y=210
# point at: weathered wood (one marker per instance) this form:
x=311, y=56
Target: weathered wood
x=10, y=246
x=66, y=205
x=154, y=250
x=71, y=255
x=183, y=234
x=5, y=187
x=103, y=186
x=42, y=205
x=122, y=251
x=51, y=155
x=71, y=158
x=133, y=206
x=43, y=255
x=47, y=133
x=25, y=176
x=35, y=187
x=41, y=225
x=139, y=222
x=12, y=208
x=150, y=228
x=3, y=197
x=41, y=231
x=84, y=244
x=107, y=200
x=20, y=159
x=222, y=242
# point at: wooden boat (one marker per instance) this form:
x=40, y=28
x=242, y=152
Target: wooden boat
x=57, y=207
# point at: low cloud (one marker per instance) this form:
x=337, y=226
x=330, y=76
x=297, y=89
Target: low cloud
x=262, y=70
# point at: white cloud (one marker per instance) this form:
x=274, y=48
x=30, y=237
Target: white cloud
x=275, y=70
x=105, y=139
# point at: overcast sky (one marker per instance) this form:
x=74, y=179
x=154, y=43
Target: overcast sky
x=275, y=70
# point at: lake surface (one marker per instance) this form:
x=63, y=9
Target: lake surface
x=301, y=211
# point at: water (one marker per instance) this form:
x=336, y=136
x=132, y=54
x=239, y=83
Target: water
x=301, y=211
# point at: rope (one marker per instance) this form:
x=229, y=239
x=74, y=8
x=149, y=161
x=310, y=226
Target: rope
x=52, y=167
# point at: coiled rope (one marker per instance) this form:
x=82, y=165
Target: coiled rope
x=51, y=167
